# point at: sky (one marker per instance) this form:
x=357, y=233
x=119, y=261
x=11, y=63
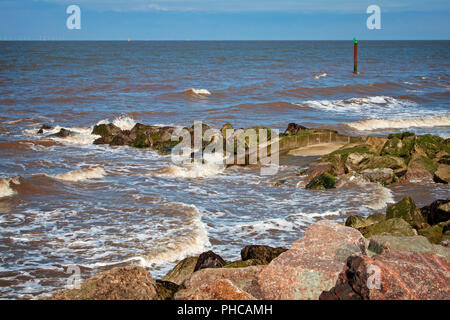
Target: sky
x=224, y=20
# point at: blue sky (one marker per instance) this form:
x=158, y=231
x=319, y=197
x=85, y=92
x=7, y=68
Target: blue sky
x=224, y=20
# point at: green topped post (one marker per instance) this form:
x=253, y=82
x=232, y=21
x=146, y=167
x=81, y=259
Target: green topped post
x=355, y=56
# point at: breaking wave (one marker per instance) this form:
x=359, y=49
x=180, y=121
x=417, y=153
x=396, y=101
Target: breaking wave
x=194, y=91
x=81, y=175
x=193, y=242
x=318, y=76
x=5, y=186
x=420, y=122
x=78, y=136
x=122, y=122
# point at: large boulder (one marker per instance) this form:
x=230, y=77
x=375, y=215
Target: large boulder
x=383, y=176
x=420, y=168
x=122, y=283
x=376, y=144
x=399, y=275
x=312, y=265
x=386, y=243
x=394, y=226
x=437, y=211
x=220, y=289
x=442, y=174
x=293, y=129
x=209, y=260
x=182, y=270
x=360, y=222
x=262, y=253
x=314, y=171
x=322, y=182
x=107, y=132
x=241, y=278
x=435, y=234
x=407, y=210
x=166, y=289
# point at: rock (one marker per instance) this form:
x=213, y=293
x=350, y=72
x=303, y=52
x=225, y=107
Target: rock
x=241, y=278
x=394, y=226
x=261, y=253
x=220, y=289
x=433, y=233
x=209, y=260
x=122, y=283
x=244, y=264
x=431, y=145
x=399, y=146
x=353, y=161
x=442, y=174
x=316, y=170
x=324, y=181
x=293, y=129
x=397, y=164
x=181, y=271
x=44, y=127
x=399, y=275
x=166, y=289
x=63, y=133
x=376, y=144
x=420, y=168
x=384, y=176
x=382, y=244
x=106, y=130
x=438, y=211
x=360, y=222
x=407, y=210
x=311, y=266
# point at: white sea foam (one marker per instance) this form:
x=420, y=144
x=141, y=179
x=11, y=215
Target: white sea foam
x=370, y=107
x=419, y=122
x=81, y=175
x=192, y=243
x=198, y=91
x=5, y=187
x=79, y=136
x=318, y=76
x=122, y=122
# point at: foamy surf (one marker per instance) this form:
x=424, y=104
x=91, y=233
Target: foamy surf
x=197, y=91
x=122, y=122
x=5, y=187
x=79, y=136
x=420, y=122
x=190, y=171
x=81, y=175
x=318, y=76
x=193, y=243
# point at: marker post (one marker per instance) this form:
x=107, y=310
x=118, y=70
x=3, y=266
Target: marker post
x=355, y=56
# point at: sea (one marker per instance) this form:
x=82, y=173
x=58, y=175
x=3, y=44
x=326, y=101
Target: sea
x=66, y=204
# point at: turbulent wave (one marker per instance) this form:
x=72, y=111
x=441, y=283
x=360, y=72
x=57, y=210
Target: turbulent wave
x=318, y=76
x=194, y=91
x=81, y=175
x=192, y=242
x=190, y=171
x=376, y=103
x=420, y=122
x=79, y=136
x=123, y=122
x=6, y=189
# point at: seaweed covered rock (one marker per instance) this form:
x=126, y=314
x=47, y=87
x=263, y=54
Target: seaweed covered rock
x=442, y=174
x=435, y=234
x=322, y=182
x=383, y=176
x=293, y=129
x=407, y=210
x=181, y=271
x=393, y=226
x=360, y=222
x=122, y=283
x=386, y=243
x=437, y=211
x=265, y=254
x=398, y=275
x=166, y=289
x=209, y=260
